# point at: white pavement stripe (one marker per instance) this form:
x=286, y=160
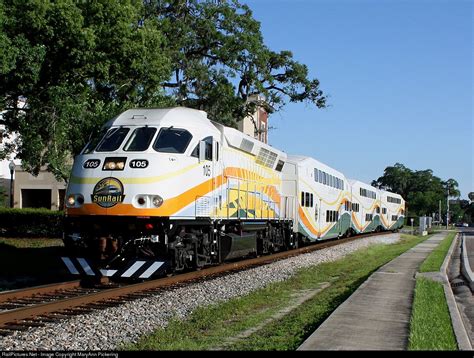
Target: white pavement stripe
x=72, y=269
x=133, y=268
x=86, y=267
x=151, y=270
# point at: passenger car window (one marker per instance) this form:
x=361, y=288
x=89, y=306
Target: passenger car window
x=172, y=140
x=112, y=139
x=140, y=139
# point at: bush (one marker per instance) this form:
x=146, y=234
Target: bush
x=30, y=223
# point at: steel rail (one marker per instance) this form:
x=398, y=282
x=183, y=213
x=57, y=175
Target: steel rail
x=14, y=316
x=37, y=290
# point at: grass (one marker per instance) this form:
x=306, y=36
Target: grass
x=31, y=243
x=430, y=325
x=207, y=327
x=434, y=261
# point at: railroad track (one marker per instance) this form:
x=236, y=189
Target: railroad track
x=31, y=307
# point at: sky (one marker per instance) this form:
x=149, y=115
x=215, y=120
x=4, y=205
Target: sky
x=399, y=79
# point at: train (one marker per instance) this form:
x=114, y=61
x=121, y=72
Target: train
x=165, y=190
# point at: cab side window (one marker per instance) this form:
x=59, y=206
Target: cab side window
x=208, y=155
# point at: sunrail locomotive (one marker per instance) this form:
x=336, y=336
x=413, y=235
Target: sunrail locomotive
x=167, y=190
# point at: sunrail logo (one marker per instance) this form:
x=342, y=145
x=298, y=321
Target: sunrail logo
x=108, y=192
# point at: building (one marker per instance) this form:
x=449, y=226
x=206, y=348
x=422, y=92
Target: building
x=256, y=125
x=42, y=191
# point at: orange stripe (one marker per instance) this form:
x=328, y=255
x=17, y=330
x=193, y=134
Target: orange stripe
x=356, y=222
x=169, y=207
x=306, y=222
x=173, y=205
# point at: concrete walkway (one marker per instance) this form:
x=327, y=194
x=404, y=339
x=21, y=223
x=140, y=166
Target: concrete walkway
x=377, y=315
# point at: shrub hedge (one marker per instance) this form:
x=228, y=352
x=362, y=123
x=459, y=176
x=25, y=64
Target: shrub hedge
x=30, y=223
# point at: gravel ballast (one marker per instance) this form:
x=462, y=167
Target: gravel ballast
x=107, y=329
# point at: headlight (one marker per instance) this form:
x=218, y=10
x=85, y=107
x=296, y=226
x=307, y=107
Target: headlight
x=157, y=201
x=147, y=201
x=110, y=165
x=71, y=200
x=114, y=163
x=75, y=200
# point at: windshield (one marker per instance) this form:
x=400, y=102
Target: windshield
x=112, y=140
x=140, y=139
x=94, y=141
x=172, y=140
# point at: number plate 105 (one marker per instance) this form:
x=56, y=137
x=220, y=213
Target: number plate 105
x=138, y=163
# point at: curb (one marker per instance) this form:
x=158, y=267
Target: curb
x=465, y=266
x=460, y=332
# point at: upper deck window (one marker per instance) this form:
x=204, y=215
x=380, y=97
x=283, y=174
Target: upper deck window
x=140, y=139
x=113, y=139
x=172, y=140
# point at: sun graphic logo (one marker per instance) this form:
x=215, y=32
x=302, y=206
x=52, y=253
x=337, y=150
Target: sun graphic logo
x=108, y=192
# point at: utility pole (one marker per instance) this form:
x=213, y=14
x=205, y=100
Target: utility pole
x=447, y=210
x=439, y=215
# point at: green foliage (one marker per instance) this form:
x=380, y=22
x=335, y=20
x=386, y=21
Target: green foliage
x=30, y=223
x=76, y=64
x=420, y=188
x=219, y=60
x=430, y=324
x=436, y=258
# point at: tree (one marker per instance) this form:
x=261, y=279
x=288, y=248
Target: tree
x=471, y=196
x=220, y=62
x=7, y=52
x=396, y=179
x=420, y=188
x=451, y=186
x=76, y=64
